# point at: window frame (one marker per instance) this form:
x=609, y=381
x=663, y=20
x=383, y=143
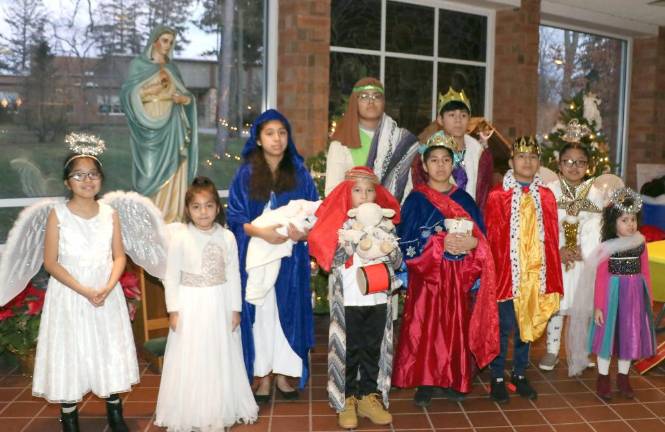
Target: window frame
x=269, y=97
x=620, y=160
x=434, y=59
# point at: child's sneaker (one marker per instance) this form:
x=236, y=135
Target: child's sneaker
x=524, y=388
x=498, y=391
x=548, y=361
x=370, y=406
x=347, y=418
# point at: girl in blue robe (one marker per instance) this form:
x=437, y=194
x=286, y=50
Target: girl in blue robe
x=277, y=335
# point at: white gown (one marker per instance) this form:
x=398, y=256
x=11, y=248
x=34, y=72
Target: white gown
x=83, y=348
x=204, y=383
x=588, y=237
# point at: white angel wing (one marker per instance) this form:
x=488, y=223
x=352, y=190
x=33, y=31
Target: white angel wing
x=24, y=251
x=547, y=175
x=143, y=232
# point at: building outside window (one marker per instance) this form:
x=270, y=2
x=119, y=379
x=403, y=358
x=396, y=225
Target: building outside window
x=416, y=49
x=572, y=62
x=83, y=67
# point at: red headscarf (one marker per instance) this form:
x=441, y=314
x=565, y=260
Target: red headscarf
x=331, y=215
x=347, y=131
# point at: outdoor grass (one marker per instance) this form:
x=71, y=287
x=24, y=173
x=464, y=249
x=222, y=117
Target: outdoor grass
x=18, y=142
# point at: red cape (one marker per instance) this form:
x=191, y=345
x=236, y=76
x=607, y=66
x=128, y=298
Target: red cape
x=442, y=331
x=497, y=220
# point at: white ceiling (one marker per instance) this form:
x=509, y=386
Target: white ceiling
x=629, y=17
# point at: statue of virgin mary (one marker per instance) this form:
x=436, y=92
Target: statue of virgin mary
x=161, y=114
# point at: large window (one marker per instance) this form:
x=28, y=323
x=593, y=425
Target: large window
x=415, y=49
x=573, y=63
x=77, y=58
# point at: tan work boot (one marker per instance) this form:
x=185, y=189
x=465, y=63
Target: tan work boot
x=370, y=406
x=347, y=418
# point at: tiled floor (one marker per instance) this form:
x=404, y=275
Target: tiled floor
x=563, y=404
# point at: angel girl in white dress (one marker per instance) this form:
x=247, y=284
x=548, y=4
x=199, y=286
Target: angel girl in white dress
x=204, y=385
x=85, y=340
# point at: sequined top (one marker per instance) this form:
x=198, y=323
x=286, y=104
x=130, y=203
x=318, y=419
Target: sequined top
x=627, y=262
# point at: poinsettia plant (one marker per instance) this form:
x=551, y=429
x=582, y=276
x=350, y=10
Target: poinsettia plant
x=19, y=321
x=132, y=289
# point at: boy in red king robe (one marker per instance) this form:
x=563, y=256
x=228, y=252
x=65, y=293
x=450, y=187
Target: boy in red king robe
x=522, y=223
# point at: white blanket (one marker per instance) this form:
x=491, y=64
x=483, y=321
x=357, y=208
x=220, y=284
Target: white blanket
x=263, y=258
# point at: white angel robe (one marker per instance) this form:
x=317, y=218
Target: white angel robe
x=204, y=385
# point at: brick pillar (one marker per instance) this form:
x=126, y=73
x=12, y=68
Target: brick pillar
x=303, y=65
x=646, y=133
x=516, y=69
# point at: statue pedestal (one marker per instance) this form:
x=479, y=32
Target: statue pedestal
x=151, y=323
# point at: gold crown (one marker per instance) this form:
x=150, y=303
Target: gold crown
x=453, y=96
x=438, y=139
x=526, y=144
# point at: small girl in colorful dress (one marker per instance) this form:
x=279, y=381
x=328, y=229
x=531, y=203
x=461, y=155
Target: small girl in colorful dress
x=623, y=322
x=204, y=385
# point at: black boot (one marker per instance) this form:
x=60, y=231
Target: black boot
x=423, y=396
x=524, y=388
x=70, y=421
x=498, y=392
x=114, y=415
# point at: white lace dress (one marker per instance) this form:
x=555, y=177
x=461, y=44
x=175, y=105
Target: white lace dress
x=83, y=348
x=204, y=383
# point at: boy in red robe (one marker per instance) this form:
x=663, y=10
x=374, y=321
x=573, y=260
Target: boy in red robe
x=523, y=233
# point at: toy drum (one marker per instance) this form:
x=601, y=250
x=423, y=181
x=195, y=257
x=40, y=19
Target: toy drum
x=373, y=278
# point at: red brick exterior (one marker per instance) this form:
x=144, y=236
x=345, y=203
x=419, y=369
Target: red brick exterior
x=646, y=133
x=303, y=71
x=516, y=69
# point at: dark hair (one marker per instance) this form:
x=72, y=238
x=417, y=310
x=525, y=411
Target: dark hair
x=458, y=82
x=611, y=214
x=262, y=180
x=454, y=105
x=429, y=151
x=575, y=146
x=70, y=161
x=204, y=184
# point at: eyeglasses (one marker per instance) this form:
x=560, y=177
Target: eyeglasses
x=569, y=163
x=82, y=175
x=367, y=97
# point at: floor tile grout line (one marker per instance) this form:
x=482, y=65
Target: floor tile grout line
x=34, y=417
x=611, y=407
x=429, y=419
x=561, y=395
x=15, y=397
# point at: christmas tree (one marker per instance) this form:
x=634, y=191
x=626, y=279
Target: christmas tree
x=580, y=121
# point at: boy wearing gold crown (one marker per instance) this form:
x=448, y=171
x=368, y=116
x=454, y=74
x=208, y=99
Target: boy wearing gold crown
x=367, y=136
x=473, y=164
x=524, y=236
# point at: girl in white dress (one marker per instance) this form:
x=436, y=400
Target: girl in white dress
x=85, y=337
x=204, y=386
x=579, y=203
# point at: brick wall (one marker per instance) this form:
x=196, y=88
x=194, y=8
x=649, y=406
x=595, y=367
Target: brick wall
x=646, y=133
x=516, y=69
x=303, y=71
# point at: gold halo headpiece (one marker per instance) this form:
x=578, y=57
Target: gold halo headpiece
x=574, y=131
x=84, y=145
